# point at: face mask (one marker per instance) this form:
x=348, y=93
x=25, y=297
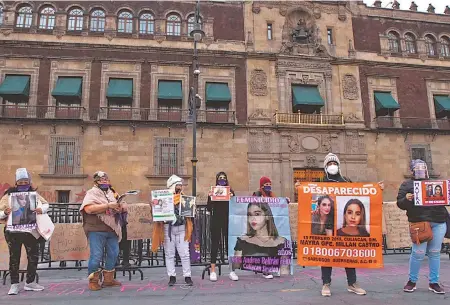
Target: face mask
x=104, y=187
x=333, y=169
x=267, y=188
x=177, y=190
x=222, y=182
x=23, y=188
x=420, y=171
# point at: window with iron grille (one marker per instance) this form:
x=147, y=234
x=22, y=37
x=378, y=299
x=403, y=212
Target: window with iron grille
x=64, y=156
x=168, y=156
x=422, y=152
x=63, y=196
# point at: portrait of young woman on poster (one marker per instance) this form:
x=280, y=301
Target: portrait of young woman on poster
x=354, y=219
x=322, y=218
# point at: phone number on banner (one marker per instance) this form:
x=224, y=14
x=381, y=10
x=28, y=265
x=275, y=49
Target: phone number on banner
x=339, y=252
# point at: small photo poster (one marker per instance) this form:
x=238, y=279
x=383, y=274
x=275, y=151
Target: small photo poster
x=187, y=206
x=429, y=193
x=220, y=193
x=162, y=205
x=23, y=216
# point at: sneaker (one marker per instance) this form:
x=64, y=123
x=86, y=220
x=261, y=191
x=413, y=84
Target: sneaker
x=213, y=277
x=268, y=276
x=172, y=281
x=33, y=287
x=356, y=289
x=326, y=291
x=233, y=276
x=14, y=290
x=188, y=281
x=409, y=287
x=436, y=288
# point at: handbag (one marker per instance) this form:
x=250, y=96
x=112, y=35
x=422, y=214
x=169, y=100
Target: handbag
x=420, y=232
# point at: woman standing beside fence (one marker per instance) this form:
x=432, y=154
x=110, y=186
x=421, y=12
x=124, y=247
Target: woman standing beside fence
x=16, y=239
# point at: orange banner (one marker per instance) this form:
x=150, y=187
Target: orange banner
x=340, y=225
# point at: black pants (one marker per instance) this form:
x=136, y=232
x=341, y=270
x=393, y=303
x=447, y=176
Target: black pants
x=326, y=275
x=15, y=242
x=219, y=230
x=125, y=246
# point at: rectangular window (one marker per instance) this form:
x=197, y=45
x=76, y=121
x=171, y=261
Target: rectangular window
x=422, y=152
x=63, y=196
x=168, y=156
x=269, y=31
x=330, y=37
x=64, y=156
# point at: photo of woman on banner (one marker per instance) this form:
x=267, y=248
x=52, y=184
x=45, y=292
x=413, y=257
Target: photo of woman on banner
x=322, y=217
x=438, y=193
x=23, y=209
x=354, y=221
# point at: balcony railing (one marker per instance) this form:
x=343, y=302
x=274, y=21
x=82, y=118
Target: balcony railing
x=308, y=119
x=166, y=115
x=412, y=123
x=42, y=112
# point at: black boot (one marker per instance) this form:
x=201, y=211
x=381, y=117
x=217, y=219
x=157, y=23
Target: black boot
x=172, y=281
x=188, y=281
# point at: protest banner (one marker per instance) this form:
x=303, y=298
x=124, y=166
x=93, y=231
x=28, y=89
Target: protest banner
x=140, y=221
x=23, y=216
x=220, y=193
x=4, y=253
x=429, y=193
x=187, y=206
x=340, y=225
x=69, y=243
x=259, y=235
x=162, y=205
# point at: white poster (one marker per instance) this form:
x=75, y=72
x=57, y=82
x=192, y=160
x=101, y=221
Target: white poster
x=23, y=215
x=162, y=206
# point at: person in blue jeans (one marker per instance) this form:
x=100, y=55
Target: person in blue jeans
x=436, y=216
x=103, y=229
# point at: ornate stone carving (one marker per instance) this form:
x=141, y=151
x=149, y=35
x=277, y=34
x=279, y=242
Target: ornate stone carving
x=6, y=31
x=294, y=146
x=301, y=33
x=304, y=65
x=326, y=143
x=259, y=115
x=160, y=38
x=256, y=9
x=311, y=161
x=260, y=141
x=354, y=143
x=283, y=11
x=258, y=83
x=352, y=117
x=110, y=35
x=350, y=87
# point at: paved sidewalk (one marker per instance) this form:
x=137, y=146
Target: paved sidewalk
x=384, y=286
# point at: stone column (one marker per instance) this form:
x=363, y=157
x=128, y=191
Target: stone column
x=329, y=88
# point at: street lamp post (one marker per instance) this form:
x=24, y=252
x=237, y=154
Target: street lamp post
x=197, y=33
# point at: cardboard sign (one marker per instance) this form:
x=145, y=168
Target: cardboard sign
x=140, y=221
x=4, y=253
x=23, y=216
x=429, y=193
x=69, y=243
x=340, y=225
x=220, y=193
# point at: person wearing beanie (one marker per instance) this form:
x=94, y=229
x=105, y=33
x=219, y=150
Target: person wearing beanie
x=436, y=216
x=175, y=235
x=16, y=239
x=219, y=225
x=265, y=188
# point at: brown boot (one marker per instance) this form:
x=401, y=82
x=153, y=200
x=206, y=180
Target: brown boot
x=94, y=281
x=108, y=279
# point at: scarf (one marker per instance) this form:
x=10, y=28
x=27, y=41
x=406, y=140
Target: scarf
x=96, y=196
x=158, y=228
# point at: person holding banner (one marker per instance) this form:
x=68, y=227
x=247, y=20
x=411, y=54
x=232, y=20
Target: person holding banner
x=219, y=225
x=15, y=239
x=175, y=235
x=103, y=228
x=432, y=216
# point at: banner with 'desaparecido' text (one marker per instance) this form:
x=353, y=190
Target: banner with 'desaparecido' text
x=340, y=225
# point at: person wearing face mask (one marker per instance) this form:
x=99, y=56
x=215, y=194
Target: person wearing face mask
x=175, y=235
x=15, y=240
x=103, y=227
x=436, y=216
x=219, y=225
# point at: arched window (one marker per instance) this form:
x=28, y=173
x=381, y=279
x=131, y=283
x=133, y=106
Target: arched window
x=146, y=24
x=394, y=42
x=173, y=26
x=1, y=15
x=410, y=43
x=191, y=23
x=98, y=18
x=24, y=17
x=47, y=18
x=445, y=47
x=430, y=44
x=75, y=22
x=125, y=22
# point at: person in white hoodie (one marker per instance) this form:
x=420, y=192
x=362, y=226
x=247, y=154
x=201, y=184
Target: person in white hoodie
x=16, y=239
x=176, y=235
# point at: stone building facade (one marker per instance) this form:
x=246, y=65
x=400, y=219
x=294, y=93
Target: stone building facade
x=297, y=80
